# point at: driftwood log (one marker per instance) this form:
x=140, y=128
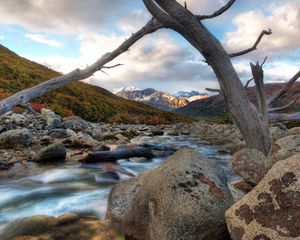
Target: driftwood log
x=113, y=156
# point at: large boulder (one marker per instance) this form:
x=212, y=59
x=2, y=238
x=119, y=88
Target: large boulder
x=272, y=209
x=182, y=199
x=283, y=149
x=53, y=152
x=250, y=164
x=15, y=138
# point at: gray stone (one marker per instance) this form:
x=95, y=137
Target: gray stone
x=47, y=113
x=53, y=123
x=15, y=138
x=80, y=140
x=53, y=152
x=75, y=123
x=58, y=133
x=18, y=119
x=157, y=132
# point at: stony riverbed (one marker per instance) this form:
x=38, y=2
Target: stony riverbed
x=42, y=171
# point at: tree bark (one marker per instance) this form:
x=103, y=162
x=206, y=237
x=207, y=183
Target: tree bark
x=244, y=113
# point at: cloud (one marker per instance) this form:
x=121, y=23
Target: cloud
x=2, y=37
x=146, y=64
x=43, y=40
x=64, y=17
x=282, y=19
x=133, y=21
x=203, y=7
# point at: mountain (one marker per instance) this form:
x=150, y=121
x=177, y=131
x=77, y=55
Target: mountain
x=190, y=96
x=89, y=102
x=158, y=99
x=214, y=107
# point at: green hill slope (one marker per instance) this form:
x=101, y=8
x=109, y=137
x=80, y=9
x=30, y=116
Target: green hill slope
x=89, y=102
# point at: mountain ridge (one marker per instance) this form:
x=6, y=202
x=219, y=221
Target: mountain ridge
x=159, y=99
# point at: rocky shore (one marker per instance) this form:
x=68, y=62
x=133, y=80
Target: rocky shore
x=187, y=197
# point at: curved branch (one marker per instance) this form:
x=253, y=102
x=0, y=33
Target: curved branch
x=248, y=82
x=285, y=88
x=22, y=97
x=254, y=47
x=282, y=107
x=217, y=13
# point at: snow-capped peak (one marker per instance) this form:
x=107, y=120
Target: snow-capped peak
x=125, y=89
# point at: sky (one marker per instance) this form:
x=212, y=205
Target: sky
x=67, y=34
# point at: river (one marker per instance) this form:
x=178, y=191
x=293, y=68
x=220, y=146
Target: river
x=81, y=188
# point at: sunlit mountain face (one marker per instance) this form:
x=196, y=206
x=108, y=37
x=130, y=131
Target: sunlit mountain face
x=159, y=99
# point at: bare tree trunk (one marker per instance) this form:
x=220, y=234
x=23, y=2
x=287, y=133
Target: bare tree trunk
x=176, y=17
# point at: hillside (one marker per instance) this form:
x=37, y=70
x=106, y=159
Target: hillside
x=89, y=102
x=214, y=107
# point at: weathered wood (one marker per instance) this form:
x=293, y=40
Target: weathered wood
x=243, y=112
x=284, y=117
x=23, y=97
x=217, y=13
x=285, y=88
x=254, y=47
x=248, y=82
x=275, y=109
x=213, y=90
x=112, y=156
x=258, y=75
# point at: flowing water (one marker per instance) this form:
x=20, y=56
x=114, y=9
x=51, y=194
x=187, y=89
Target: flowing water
x=83, y=189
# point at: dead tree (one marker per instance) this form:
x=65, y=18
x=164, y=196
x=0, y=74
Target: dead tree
x=252, y=122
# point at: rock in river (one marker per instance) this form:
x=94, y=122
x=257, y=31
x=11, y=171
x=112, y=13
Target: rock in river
x=182, y=199
x=53, y=152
